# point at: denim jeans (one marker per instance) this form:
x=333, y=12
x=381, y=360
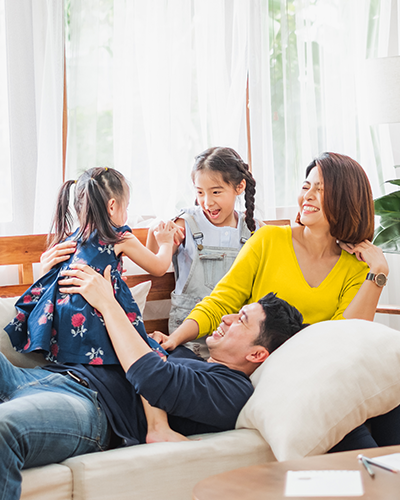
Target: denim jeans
x=44, y=418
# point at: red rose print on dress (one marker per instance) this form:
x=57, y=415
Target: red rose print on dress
x=54, y=350
x=42, y=319
x=99, y=315
x=36, y=293
x=17, y=321
x=20, y=317
x=27, y=299
x=64, y=299
x=131, y=316
x=77, y=321
x=26, y=346
x=48, y=313
x=105, y=248
x=96, y=361
x=94, y=356
x=49, y=307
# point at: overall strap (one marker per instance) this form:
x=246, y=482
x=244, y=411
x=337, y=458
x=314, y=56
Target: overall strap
x=194, y=228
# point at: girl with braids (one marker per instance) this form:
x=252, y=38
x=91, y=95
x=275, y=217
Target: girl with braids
x=214, y=230
x=65, y=327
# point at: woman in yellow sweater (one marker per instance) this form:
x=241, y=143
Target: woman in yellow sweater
x=304, y=265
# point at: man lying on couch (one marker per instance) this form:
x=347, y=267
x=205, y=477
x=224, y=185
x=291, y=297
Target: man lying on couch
x=52, y=413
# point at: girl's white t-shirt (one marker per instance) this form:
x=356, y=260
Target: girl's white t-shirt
x=226, y=237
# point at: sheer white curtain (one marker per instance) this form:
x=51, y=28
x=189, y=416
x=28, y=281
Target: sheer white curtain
x=315, y=76
x=176, y=76
x=31, y=96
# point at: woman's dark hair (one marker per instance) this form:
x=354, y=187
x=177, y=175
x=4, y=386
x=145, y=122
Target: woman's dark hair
x=233, y=170
x=93, y=190
x=347, y=202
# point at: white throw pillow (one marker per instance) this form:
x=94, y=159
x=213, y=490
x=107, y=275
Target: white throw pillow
x=32, y=359
x=321, y=384
x=140, y=293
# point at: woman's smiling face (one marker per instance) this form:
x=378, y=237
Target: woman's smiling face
x=311, y=199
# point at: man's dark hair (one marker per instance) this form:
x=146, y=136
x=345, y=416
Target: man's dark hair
x=281, y=322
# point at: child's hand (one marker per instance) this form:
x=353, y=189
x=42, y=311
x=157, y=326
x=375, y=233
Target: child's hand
x=165, y=233
x=179, y=234
x=54, y=255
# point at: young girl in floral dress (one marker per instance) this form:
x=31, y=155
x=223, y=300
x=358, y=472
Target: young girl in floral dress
x=65, y=327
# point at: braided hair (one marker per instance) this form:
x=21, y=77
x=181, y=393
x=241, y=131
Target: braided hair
x=233, y=170
x=93, y=190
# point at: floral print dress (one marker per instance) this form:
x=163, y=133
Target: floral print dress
x=65, y=327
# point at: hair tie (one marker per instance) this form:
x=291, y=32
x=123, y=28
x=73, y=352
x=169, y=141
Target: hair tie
x=106, y=169
x=75, y=181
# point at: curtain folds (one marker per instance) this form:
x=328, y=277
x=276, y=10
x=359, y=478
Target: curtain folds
x=151, y=84
x=31, y=48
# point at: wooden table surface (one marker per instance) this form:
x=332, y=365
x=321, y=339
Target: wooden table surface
x=267, y=481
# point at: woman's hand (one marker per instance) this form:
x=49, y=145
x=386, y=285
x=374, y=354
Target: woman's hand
x=370, y=254
x=164, y=340
x=93, y=287
x=54, y=255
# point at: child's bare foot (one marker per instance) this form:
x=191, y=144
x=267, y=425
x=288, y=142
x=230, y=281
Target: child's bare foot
x=164, y=435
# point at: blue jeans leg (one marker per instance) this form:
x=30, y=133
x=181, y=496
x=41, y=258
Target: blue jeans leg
x=44, y=418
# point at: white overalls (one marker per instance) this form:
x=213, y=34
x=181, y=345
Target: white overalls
x=199, y=266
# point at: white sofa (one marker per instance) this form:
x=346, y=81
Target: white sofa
x=309, y=393
x=154, y=471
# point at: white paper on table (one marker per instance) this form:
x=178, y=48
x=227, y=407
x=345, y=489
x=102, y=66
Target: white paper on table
x=323, y=483
x=392, y=460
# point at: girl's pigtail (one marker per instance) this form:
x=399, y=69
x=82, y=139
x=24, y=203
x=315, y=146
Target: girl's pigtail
x=61, y=225
x=94, y=214
x=249, y=197
x=97, y=187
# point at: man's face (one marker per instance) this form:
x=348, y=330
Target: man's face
x=235, y=336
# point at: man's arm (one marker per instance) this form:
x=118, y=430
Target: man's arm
x=98, y=291
x=206, y=393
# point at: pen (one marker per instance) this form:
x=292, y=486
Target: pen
x=362, y=459
x=377, y=464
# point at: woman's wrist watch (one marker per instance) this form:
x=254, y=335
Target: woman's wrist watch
x=379, y=279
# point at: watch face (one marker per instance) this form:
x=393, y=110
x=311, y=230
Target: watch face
x=380, y=279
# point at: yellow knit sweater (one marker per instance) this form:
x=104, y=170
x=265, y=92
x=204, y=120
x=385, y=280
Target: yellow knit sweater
x=267, y=263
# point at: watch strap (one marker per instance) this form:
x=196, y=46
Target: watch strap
x=380, y=279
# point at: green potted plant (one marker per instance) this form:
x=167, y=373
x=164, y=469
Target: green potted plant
x=387, y=234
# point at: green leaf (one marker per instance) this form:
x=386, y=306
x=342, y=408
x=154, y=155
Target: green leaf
x=389, y=204
x=394, y=181
x=387, y=221
x=388, y=239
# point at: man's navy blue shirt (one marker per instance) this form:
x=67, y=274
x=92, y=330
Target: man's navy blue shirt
x=198, y=396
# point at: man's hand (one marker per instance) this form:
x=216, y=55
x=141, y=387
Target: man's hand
x=164, y=340
x=55, y=255
x=93, y=287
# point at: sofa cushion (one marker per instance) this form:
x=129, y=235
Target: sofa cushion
x=165, y=471
x=51, y=482
x=321, y=384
